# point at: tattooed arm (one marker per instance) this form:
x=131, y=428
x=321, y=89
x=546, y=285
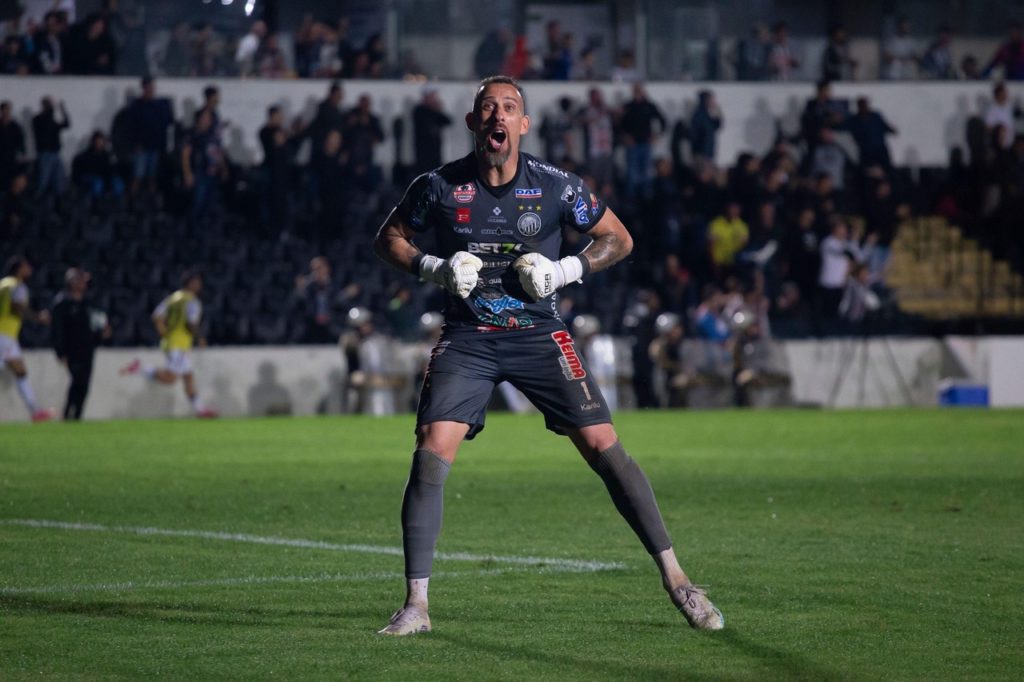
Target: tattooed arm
x=394, y=245
x=611, y=243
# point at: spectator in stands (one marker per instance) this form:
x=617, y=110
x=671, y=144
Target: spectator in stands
x=710, y=320
x=727, y=235
x=93, y=170
x=12, y=146
x=1009, y=56
x=46, y=128
x=149, y=120
x=869, y=129
x=491, y=53
x=14, y=61
x=830, y=158
x=363, y=132
x=586, y=67
x=271, y=61
x=598, y=139
x=858, y=300
x=329, y=116
x=211, y=103
x=177, y=56
x=558, y=60
x=315, y=293
x=50, y=44
x=836, y=62
x=704, y=125
x=641, y=124
x=625, y=70
x=207, y=50
x=881, y=216
x=556, y=130
x=820, y=112
x=428, y=123
x=203, y=165
x=91, y=48
x=969, y=68
x=752, y=54
x=1000, y=114
x=519, y=62
x=838, y=252
x=782, y=61
x=77, y=329
x=248, y=47
x=802, y=254
x=307, y=39
x=278, y=153
x=341, y=47
x=333, y=179
x=937, y=62
x=899, y=53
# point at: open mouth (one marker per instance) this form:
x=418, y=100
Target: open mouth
x=496, y=139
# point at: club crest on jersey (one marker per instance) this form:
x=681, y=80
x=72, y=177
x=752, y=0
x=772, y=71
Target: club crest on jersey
x=464, y=193
x=529, y=224
x=462, y=215
x=529, y=193
x=572, y=366
x=569, y=195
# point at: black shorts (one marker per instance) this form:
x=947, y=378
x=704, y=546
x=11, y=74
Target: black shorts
x=544, y=364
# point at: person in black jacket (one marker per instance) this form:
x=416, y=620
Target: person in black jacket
x=50, y=173
x=77, y=329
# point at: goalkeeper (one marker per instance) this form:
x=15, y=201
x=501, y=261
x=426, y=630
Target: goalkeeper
x=497, y=215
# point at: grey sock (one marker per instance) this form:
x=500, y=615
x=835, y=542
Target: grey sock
x=631, y=492
x=422, y=508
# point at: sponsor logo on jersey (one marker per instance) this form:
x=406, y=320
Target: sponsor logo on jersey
x=463, y=230
x=499, y=305
x=496, y=217
x=580, y=211
x=488, y=247
x=497, y=231
x=594, y=204
x=529, y=224
x=569, y=195
x=546, y=168
x=529, y=193
x=462, y=215
x=572, y=366
x=464, y=193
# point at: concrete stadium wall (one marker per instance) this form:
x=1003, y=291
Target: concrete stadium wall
x=930, y=117
x=310, y=380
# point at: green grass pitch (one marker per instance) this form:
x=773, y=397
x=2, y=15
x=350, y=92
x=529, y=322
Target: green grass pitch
x=839, y=545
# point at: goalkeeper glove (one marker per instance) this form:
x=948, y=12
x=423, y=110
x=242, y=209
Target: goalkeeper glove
x=457, y=274
x=541, y=277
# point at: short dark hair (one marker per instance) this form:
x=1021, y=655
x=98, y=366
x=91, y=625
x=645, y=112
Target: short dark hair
x=497, y=80
x=272, y=109
x=209, y=91
x=189, y=275
x=147, y=80
x=14, y=264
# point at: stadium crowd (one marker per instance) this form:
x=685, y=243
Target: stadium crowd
x=800, y=233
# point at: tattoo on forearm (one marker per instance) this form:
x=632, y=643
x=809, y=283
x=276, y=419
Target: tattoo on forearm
x=604, y=252
x=396, y=249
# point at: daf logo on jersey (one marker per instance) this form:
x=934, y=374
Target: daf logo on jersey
x=529, y=193
x=499, y=305
x=569, y=195
x=572, y=366
x=529, y=224
x=580, y=211
x=464, y=193
x=462, y=215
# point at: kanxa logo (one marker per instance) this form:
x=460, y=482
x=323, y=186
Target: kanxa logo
x=572, y=366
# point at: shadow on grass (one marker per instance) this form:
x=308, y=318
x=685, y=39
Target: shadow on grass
x=770, y=662
x=180, y=611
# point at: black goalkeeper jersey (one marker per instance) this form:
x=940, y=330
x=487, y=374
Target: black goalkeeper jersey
x=499, y=224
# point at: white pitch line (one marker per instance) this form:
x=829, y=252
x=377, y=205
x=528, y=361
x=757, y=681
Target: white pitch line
x=571, y=565
x=230, y=582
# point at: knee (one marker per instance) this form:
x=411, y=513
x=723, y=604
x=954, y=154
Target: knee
x=593, y=440
x=443, y=438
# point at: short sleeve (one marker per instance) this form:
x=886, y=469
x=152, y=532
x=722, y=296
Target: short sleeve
x=581, y=208
x=20, y=295
x=194, y=311
x=415, y=206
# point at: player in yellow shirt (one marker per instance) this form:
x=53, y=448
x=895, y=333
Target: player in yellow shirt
x=177, y=321
x=14, y=308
